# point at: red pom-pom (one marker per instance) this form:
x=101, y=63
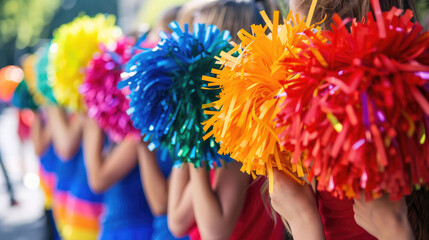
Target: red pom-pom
x=105, y=102
x=358, y=112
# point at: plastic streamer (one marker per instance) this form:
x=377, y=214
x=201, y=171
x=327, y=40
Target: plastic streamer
x=359, y=109
x=166, y=94
x=41, y=72
x=105, y=102
x=30, y=77
x=73, y=46
x=22, y=97
x=252, y=84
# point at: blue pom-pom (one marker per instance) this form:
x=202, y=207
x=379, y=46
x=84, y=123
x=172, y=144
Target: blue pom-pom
x=166, y=91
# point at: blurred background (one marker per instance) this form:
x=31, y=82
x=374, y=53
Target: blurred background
x=25, y=25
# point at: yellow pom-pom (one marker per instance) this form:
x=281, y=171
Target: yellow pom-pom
x=253, y=83
x=30, y=79
x=72, y=48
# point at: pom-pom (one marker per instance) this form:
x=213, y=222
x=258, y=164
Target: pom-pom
x=41, y=70
x=22, y=98
x=104, y=101
x=28, y=66
x=359, y=109
x=252, y=92
x=72, y=48
x=166, y=95
x=10, y=77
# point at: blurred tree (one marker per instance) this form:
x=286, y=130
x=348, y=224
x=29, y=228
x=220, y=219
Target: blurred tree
x=24, y=20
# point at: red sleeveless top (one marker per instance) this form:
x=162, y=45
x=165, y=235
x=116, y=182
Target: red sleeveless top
x=338, y=219
x=255, y=222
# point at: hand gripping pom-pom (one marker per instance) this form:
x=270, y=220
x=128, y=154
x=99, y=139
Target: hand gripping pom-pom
x=359, y=109
x=72, y=48
x=252, y=85
x=166, y=95
x=104, y=101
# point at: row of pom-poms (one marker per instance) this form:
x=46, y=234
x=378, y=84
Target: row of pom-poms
x=311, y=103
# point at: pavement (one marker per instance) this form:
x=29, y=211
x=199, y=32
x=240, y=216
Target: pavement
x=26, y=219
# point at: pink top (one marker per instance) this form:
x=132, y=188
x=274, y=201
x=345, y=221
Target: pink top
x=338, y=218
x=255, y=221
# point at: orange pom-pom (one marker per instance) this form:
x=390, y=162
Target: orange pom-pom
x=253, y=83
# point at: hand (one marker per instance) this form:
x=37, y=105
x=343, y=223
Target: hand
x=383, y=218
x=297, y=204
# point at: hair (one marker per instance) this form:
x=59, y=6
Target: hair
x=231, y=15
x=418, y=213
x=167, y=17
x=349, y=8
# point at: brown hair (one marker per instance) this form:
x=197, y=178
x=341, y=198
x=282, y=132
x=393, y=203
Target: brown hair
x=167, y=17
x=418, y=213
x=349, y=8
x=231, y=15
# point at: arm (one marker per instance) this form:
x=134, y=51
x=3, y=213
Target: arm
x=66, y=135
x=105, y=172
x=40, y=135
x=150, y=172
x=218, y=209
x=180, y=213
x=383, y=218
x=297, y=204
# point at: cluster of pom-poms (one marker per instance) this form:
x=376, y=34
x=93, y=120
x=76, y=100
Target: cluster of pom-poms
x=104, y=101
x=167, y=95
x=252, y=85
x=72, y=47
x=358, y=110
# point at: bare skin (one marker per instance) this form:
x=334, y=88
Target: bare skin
x=150, y=172
x=66, y=134
x=104, y=171
x=383, y=218
x=216, y=207
x=40, y=135
x=297, y=204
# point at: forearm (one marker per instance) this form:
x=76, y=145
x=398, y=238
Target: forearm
x=156, y=194
x=105, y=171
x=218, y=205
x=208, y=210
x=180, y=212
x=40, y=136
x=66, y=137
x=93, y=148
x=307, y=225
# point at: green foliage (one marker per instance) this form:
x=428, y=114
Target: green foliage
x=25, y=20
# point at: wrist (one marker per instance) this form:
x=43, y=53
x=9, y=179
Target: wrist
x=398, y=228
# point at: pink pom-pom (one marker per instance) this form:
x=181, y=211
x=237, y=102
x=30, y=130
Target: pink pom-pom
x=105, y=102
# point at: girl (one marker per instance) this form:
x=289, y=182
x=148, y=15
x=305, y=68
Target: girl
x=127, y=214
x=338, y=219
x=223, y=203
x=79, y=207
x=41, y=137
